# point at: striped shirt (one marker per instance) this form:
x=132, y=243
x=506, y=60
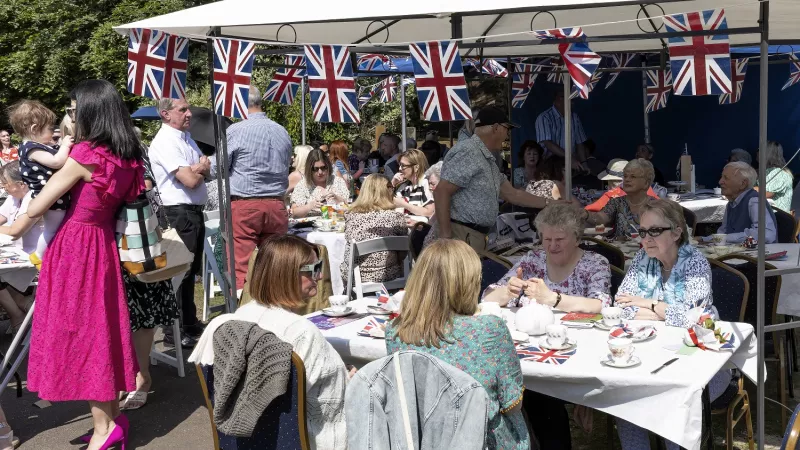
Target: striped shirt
x=418, y=194
x=550, y=127
x=260, y=153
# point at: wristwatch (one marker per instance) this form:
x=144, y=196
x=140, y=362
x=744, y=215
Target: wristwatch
x=653, y=305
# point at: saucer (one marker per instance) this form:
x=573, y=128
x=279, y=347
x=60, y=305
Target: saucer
x=602, y=325
x=330, y=312
x=569, y=343
x=634, y=361
x=519, y=336
x=378, y=311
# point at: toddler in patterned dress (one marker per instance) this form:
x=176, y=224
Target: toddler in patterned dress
x=38, y=162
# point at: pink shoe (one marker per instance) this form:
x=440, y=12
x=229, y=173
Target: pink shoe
x=117, y=436
x=121, y=421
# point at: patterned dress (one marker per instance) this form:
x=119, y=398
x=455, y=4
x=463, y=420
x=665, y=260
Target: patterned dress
x=623, y=220
x=303, y=193
x=381, y=266
x=541, y=188
x=591, y=277
x=36, y=175
x=781, y=184
x=482, y=347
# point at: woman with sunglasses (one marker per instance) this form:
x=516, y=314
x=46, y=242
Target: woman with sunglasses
x=415, y=197
x=318, y=187
x=667, y=278
x=285, y=275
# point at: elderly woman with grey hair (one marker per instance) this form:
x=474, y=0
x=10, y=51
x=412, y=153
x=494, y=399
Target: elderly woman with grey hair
x=434, y=174
x=623, y=212
x=780, y=181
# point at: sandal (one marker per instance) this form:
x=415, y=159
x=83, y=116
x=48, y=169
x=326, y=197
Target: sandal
x=134, y=400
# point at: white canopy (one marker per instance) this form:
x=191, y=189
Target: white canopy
x=329, y=22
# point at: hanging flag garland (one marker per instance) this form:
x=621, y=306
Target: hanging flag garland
x=521, y=83
x=794, y=71
x=701, y=65
x=580, y=60
x=286, y=82
x=233, y=66
x=619, y=60
x=584, y=93
x=157, y=64
x=387, y=89
x=372, y=61
x=331, y=83
x=439, y=77
x=659, y=83
x=739, y=67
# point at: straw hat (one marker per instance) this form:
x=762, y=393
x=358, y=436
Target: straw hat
x=613, y=170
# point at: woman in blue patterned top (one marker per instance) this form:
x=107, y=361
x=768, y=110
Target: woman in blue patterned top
x=438, y=318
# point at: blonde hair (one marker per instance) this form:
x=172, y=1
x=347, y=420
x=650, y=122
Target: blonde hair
x=67, y=126
x=375, y=195
x=300, y=156
x=30, y=118
x=418, y=160
x=669, y=211
x=426, y=314
x=276, y=271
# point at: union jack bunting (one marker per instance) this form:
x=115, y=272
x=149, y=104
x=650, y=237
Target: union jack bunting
x=387, y=89
x=701, y=65
x=559, y=33
x=659, y=83
x=538, y=354
x=373, y=323
x=233, y=66
x=286, y=82
x=439, y=76
x=494, y=68
x=371, y=61
x=157, y=64
x=580, y=60
x=794, y=71
x=521, y=83
x=331, y=83
x=619, y=60
x=739, y=68
x=365, y=95
x=584, y=93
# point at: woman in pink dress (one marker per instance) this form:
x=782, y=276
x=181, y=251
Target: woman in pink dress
x=81, y=345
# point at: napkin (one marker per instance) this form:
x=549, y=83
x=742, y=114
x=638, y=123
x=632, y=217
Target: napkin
x=376, y=327
x=704, y=338
x=638, y=333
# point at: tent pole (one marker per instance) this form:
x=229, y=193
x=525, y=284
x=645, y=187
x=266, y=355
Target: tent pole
x=402, y=79
x=762, y=213
x=644, y=109
x=455, y=33
x=567, y=136
x=303, y=109
x=510, y=97
x=223, y=188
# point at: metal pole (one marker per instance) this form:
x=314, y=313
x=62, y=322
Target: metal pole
x=762, y=214
x=644, y=101
x=402, y=79
x=567, y=135
x=509, y=98
x=303, y=109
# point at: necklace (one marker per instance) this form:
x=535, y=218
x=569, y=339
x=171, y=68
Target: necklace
x=636, y=205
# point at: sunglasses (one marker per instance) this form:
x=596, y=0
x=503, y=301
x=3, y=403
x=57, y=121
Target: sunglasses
x=314, y=269
x=654, y=231
x=320, y=169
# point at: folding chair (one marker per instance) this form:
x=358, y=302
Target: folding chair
x=364, y=248
x=212, y=277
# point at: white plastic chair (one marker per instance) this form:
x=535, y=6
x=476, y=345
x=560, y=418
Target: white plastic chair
x=212, y=277
x=363, y=248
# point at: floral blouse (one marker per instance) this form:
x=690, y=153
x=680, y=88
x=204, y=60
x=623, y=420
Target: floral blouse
x=623, y=219
x=781, y=184
x=303, y=193
x=482, y=347
x=591, y=277
x=688, y=286
x=541, y=188
x=380, y=266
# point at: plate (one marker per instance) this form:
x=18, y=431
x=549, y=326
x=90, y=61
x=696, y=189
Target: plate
x=569, y=343
x=330, y=312
x=378, y=311
x=593, y=232
x=634, y=361
x=518, y=336
x=602, y=325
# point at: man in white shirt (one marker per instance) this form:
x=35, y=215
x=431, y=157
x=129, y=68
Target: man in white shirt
x=180, y=169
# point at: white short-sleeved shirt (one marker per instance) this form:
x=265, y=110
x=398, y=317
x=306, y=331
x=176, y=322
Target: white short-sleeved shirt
x=13, y=208
x=170, y=150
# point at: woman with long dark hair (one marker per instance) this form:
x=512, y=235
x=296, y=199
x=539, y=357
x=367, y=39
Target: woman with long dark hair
x=81, y=345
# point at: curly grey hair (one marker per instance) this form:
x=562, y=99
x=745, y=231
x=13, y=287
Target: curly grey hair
x=747, y=171
x=561, y=216
x=435, y=170
x=645, y=166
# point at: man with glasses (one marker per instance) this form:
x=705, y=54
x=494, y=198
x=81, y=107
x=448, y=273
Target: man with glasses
x=468, y=193
x=180, y=170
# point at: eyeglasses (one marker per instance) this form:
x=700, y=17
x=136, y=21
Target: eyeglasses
x=314, y=269
x=654, y=231
x=406, y=166
x=320, y=169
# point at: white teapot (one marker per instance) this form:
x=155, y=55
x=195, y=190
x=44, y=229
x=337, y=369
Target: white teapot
x=533, y=319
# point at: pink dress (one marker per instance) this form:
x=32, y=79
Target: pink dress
x=81, y=346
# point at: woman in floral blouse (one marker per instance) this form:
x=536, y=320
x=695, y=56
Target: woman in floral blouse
x=318, y=187
x=623, y=213
x=439, y=318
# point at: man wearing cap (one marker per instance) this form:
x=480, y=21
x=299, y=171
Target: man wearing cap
x=613, y=176
x=742, y=155
x=550, y=132
x=467, y=195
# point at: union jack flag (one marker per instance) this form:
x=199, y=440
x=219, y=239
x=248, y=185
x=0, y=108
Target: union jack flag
x=331, y=83
x=387, y=89
x=537, y=354
x=584, y=93
x=286, y=82
x=737, y=81
x=374, y=322
x=371, y=61
x=560, y=33
x=157, y=64
x=659, y=83
x=489, y=67
x=365, y=95
x=701, y=65
x=794, y=71
x=233, y=65
x=439, y=76
x=619, y=60
x=522, y=83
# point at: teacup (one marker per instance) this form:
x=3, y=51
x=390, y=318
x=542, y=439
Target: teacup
x=338, y=302
x=621, y=350
x=719, y=238
x=674, y=197
x=612, y=315
x=717, y=191
x=556, y=334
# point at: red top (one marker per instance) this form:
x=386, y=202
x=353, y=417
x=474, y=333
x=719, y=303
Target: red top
x=613, y=193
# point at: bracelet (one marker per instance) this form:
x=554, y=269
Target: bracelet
x=558, y=299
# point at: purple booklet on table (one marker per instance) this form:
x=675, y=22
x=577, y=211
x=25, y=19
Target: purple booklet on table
x=326, y=323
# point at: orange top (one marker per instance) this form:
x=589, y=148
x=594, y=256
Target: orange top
x=613, y=193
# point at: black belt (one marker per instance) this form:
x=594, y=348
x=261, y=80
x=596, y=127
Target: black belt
x=265, y=197
x=478, y=228
x=197, y=208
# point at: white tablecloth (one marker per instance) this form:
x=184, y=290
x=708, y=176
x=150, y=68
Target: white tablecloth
x=336, y=244
x=789, y=300
x=668, y=403
x=18, y=275
x=708, y=210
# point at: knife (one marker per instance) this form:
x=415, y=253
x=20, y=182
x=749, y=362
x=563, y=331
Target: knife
x=663, y=365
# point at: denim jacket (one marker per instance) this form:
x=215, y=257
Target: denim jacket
x=452, y=406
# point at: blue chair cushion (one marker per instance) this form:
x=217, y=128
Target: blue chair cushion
x=728, y=289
